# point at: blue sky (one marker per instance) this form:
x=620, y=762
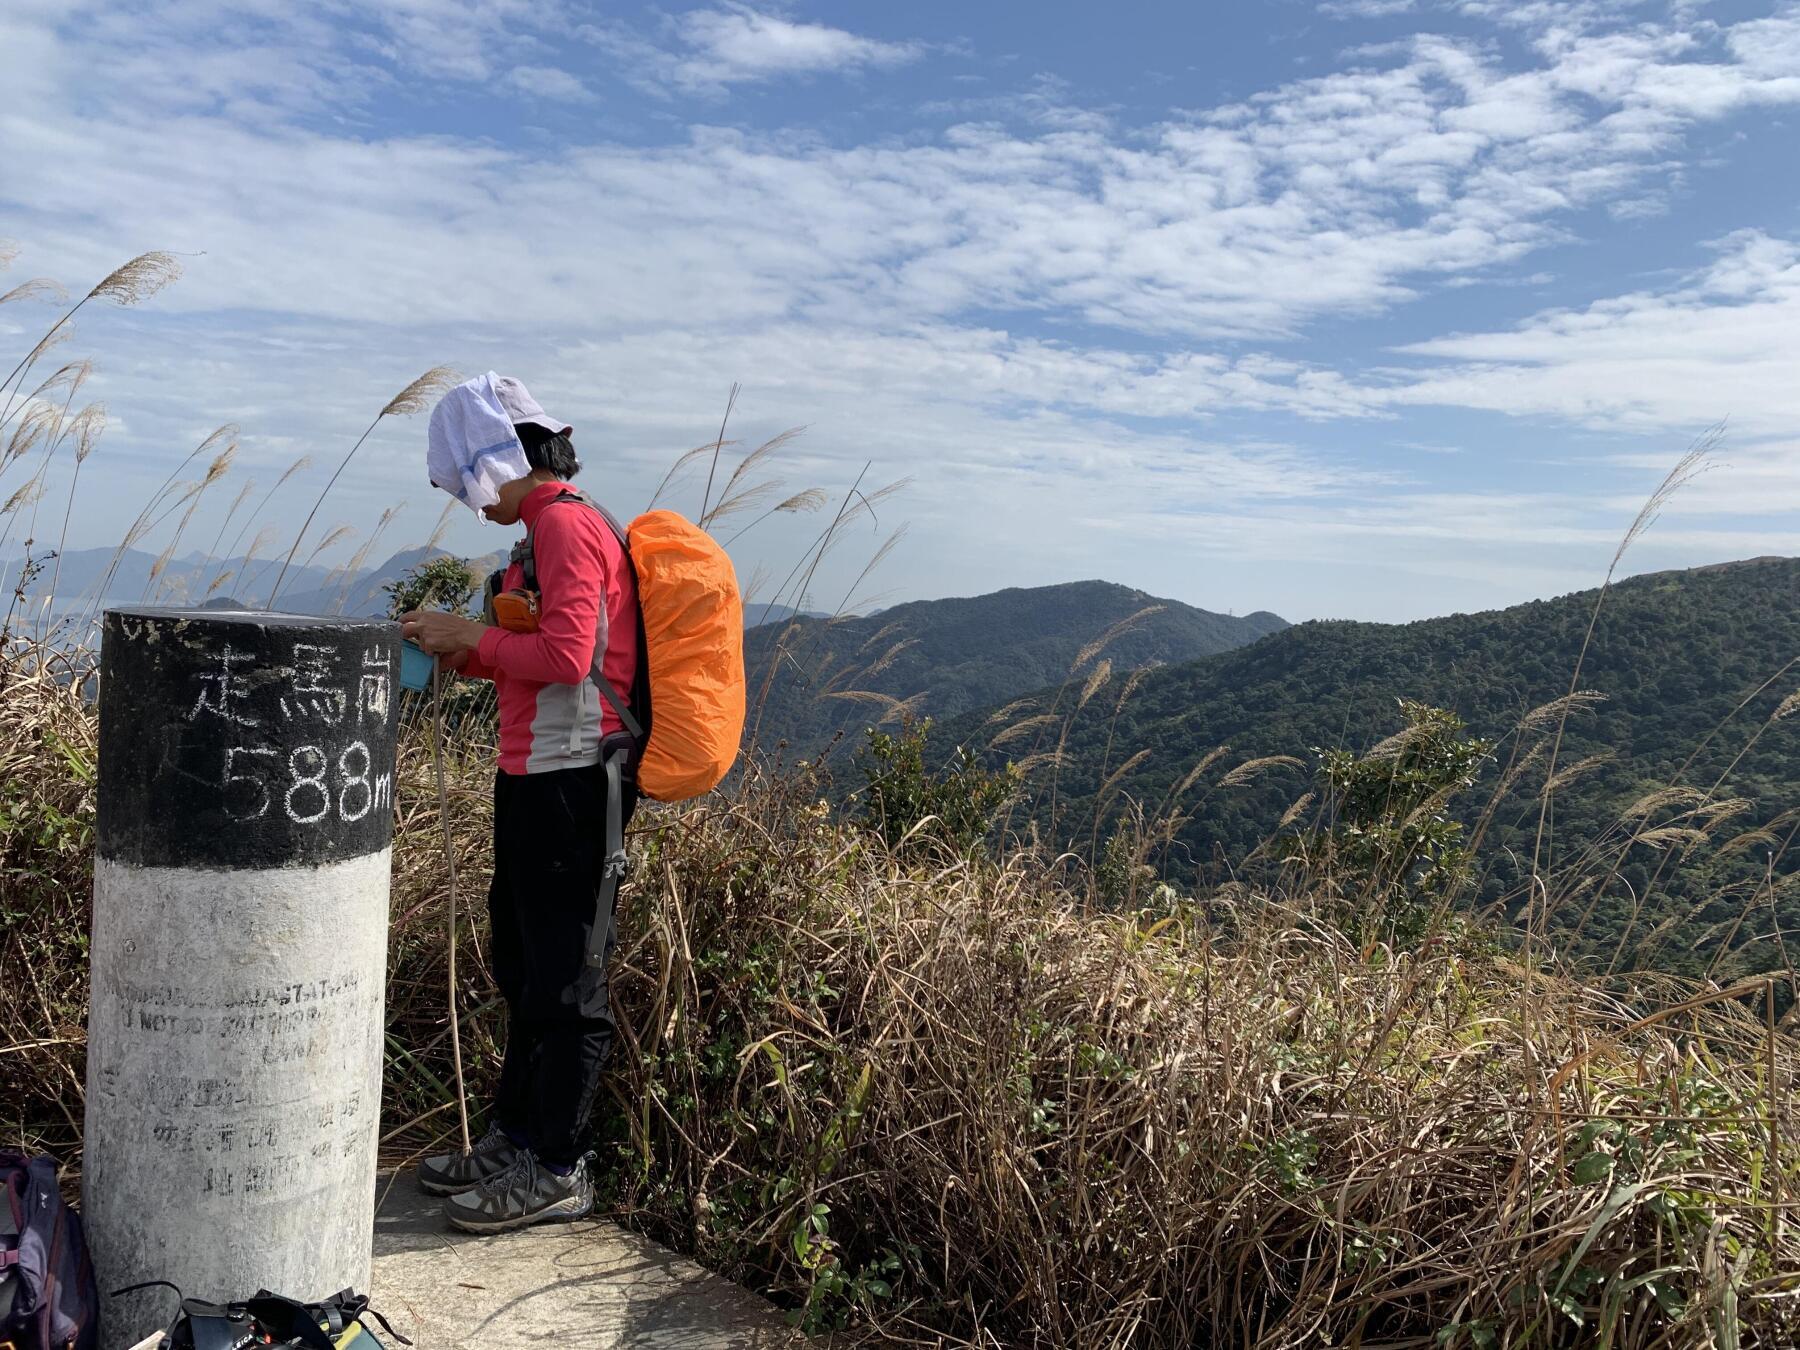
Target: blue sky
x=1366, y=308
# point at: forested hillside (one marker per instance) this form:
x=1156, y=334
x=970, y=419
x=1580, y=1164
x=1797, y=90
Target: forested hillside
x=1690, y=663
x=943, y=657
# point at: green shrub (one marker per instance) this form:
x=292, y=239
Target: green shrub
x=907, y=804
x=443, y=582
x=1391, y=838
x=1121, y=876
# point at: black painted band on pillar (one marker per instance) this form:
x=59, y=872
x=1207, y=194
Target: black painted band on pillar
x=245, y=739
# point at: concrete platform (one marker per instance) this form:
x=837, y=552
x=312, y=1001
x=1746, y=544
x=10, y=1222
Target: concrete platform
x=591, y=1285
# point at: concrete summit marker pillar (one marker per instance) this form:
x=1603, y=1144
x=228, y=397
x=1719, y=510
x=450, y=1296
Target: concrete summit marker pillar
x=239, y=955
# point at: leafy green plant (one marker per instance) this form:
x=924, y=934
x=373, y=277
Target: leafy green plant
x=1121, y=876
x=836, y=1295
x=906, y=803
x=1289, y=1160
x=1391, y=835
x=1481, y=1333
x=444, y=582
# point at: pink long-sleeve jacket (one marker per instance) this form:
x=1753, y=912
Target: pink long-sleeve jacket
x=551, y=714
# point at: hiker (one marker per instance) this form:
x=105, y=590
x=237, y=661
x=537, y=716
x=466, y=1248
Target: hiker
x=493, y=448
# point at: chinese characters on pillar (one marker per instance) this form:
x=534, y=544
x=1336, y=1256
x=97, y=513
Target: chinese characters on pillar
x=302, y=750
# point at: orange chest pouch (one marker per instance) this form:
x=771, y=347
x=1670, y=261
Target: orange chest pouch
x=514, y=610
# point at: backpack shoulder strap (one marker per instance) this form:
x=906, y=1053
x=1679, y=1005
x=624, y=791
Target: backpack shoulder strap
x=522, y=552
x=9, y=1252
x=617, y=864
x=633, y=723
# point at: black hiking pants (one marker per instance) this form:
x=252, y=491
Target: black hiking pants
x=549, y=845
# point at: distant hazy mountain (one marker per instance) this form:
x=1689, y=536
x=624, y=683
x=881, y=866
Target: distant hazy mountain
x=188, y=580
x=954, y=655
x=757, y=615
x=364, y=595
x=196, y=580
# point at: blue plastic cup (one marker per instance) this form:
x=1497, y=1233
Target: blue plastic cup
x=415, y=666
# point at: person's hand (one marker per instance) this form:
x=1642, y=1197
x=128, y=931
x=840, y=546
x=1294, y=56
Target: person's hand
x=442, y=634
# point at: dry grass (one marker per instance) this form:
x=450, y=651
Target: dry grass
x=1032, y=1125
x=48, y=760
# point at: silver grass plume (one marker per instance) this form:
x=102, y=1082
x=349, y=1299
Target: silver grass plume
x=421, y=393
x=416, y=397
x=137, y=280
x=38, y=288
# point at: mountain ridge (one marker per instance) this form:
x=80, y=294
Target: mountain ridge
x=942, y=657
x=1677, y=654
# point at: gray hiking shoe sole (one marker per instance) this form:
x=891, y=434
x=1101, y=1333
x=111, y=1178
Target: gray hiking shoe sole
x=571, y=1210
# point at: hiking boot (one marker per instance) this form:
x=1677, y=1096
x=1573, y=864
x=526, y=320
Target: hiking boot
x=527, y=1192
x=454, y=1173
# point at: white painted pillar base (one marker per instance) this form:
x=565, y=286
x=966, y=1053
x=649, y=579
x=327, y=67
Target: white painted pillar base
x=235, y=1038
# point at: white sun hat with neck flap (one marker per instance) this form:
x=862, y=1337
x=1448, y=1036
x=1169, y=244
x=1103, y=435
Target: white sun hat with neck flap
x=471, y=448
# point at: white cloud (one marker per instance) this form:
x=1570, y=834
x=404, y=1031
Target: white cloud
x=1769, y=47
x=736, y=43
x=549, y=82
x=444, y=39
x=705, y=51
x=1366, y=9
x=1003, y=474
x=1720, y=345
x=1344, y=194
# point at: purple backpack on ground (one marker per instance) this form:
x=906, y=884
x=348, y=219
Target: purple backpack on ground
x=47, y=1295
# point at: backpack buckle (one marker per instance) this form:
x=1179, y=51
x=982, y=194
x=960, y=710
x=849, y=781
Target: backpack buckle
x=617, y=865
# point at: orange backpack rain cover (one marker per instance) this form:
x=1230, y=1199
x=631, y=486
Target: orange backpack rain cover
x=694, y=639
